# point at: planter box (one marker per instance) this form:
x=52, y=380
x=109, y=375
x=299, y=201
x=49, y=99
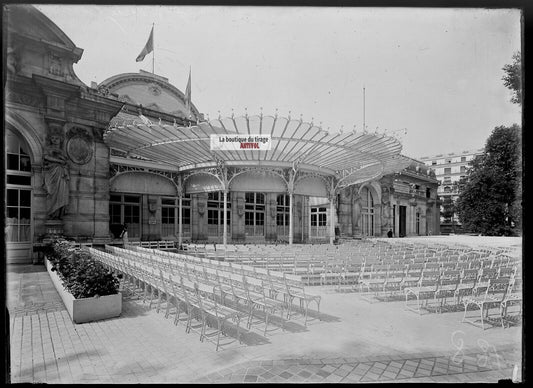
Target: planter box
x=86, y=309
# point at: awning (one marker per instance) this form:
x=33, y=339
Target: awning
x=349, y=156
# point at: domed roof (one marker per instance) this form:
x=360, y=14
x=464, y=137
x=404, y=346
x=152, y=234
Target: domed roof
x=152, y=91
x=27, y=21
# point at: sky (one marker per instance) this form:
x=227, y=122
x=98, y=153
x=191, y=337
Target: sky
x=432, y=76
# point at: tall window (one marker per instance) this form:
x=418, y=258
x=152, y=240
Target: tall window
x=125, y=209
x=448, y=170
x=254, y=214
x=319, y=222
x=418, y=223
x=215, y=213
x=170, y=216
x=282, y=214
x=18, y=190
x=367, y=209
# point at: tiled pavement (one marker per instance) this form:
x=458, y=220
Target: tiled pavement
x=141, y=346
x=418, y=367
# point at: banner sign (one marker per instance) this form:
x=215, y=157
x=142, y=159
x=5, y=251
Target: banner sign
x=240, y=142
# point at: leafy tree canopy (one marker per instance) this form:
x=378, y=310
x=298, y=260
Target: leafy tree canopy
x=513, y=78
x=490, y=202
x=448, y=208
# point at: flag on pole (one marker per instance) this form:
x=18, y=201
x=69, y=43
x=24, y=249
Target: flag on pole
x=188, y=95
x=148, y=48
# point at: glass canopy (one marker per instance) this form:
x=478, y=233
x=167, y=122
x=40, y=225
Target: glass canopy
x=352, y=157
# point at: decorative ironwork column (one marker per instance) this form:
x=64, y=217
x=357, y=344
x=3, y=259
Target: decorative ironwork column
x=222, y=175
x=290, y=188
x=291, y=218
x=225, y=237
x=180, y=212
x=332, y=212
x=180, y=224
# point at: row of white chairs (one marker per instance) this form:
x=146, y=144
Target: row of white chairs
x=497, y=293
x=330, y=271
x=162, y=244
x=201, y=305
x=337, y=266
x=208, y=272
x=253, y=271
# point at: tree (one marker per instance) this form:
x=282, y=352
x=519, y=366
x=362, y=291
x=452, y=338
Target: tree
x=490, y=202
x=513, y=78
x=447, y=209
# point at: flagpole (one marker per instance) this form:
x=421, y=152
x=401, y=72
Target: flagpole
x=153, y=51
x=364, y=128
x=190, y=93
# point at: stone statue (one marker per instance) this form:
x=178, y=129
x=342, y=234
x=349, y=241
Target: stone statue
x=56, y=178
x=357, y=207
x=385, y=202
x=11, y=61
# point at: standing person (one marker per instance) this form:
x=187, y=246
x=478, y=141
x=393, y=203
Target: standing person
x=124, y=235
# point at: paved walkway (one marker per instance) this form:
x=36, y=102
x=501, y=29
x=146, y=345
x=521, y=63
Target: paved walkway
x=354, y=341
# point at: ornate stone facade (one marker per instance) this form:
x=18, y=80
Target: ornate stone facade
x=88, y=189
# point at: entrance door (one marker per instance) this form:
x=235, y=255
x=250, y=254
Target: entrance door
x=125, y=209
x=319, y=222
x=367, y=209
x=403, y=221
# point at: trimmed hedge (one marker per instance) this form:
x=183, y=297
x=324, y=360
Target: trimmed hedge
x=81, y=274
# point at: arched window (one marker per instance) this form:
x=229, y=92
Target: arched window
x=254, y=214
x=18, y=190
x=282, y=214
x=367, y=210
x=215, y=213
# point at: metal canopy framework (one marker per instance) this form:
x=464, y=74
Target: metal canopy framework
x=351, y=157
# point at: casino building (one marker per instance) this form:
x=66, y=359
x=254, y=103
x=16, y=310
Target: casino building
x=83, y=160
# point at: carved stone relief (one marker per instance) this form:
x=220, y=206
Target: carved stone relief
x=56, y=66
x=79, y=145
